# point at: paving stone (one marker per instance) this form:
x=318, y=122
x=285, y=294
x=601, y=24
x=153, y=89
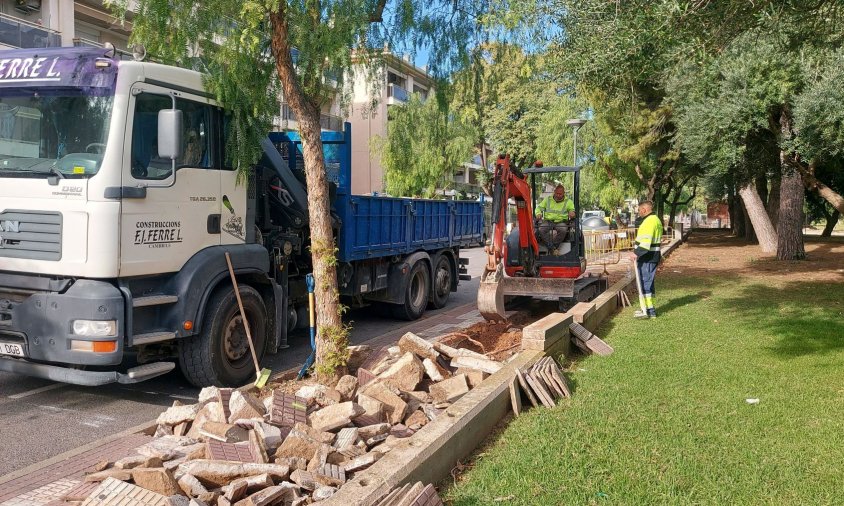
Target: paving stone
x=118, y=474
x=288, y=409
x=404, y=374
x=224, y=397
x=297, y=444
x=365, y=376
x=515, y=397
x=191, y=486
x=210, y=412
x=278, y=494
x=474, y=377
x=373, y=430
x=134, y=461
x=178, y=414
x=293, y=462
x=225, y=432
x=322, y=437
x=330, y=475
x=351, y=452
x=527, y=388
x=319, y=458
x=233, y=452
x=80, y=491
x=113, y=492
x=257, y=446
x=333, y=417
x=167, y=447
x=427, y=497
x=304, y=479
x=450, y=390
x=346, y=437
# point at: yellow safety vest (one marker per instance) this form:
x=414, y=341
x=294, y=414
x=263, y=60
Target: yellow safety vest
x=553, y=210
x=649, y=235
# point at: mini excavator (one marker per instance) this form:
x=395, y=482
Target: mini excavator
x=518, y=264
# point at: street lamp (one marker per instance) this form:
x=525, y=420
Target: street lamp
x=575, y=123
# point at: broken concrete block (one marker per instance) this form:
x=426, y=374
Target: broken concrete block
x=221, y=472
x=394, y=406
x=158, y=480
x=309, y=392
x=321, y=436
x=450, y=352
x=362, y=462
x=178, y=414
x=369, y=431
x=167, y=447
x=450, y=390
x=357, y=355
x=191, y=486
x=210, y=412
x=238, y=488
x=330, y=475
x=365, y=376
x=404, y=374
x=484, y=364
x=293, y=463
x=297, y=444
x=271, y=434
x=181, y=429
x=333, y=417
x=278, y=494
x=400, y=431
x=423, y=349
x=319, y=458
x=377, y=439
x=347, y=386
x=304, y=479
x=371, y=407
x=117, y=474
x=322, y=493
x=328, y=397
x=245, y=405
x=225, y=432
x=431, y=412
x=418, y=417
x=103, y=464
x=137, y=461
x=433, y=370
x=208, y=394
x=474, y=377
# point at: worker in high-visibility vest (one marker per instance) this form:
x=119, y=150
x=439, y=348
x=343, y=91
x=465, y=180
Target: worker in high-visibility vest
x=646, y=254
x=554, y=213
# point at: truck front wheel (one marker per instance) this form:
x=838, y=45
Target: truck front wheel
x=220, y=355
x=416, y=293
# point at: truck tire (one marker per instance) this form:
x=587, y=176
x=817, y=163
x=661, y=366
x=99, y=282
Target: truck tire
x=441, y=284
x=220, y=355
x=415, y=295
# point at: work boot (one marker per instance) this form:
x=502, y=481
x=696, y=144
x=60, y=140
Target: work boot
x=651, y=313
x=640, y=314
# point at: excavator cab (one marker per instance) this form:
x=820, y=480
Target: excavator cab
x=518, y=264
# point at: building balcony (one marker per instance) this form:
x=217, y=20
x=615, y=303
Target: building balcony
x=18, y=33
x=326, y=121
x=396, y=94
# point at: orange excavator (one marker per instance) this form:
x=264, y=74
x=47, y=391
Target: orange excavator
x=518, y=264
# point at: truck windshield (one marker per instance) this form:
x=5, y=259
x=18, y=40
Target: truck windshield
x=53, y=132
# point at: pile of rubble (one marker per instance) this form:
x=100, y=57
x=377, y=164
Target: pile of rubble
x=294, y=446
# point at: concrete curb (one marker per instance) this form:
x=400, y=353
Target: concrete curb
x=431, y=453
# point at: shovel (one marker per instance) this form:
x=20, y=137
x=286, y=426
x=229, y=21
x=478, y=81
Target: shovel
x=262, y=374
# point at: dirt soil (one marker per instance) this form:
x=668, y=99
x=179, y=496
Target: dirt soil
x=497, y=340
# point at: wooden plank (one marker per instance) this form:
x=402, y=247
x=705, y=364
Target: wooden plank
x=561, y=380
x=515, y=397
x=524, y=384
x=540, y=391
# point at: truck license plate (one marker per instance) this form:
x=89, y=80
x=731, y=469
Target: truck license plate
x=11, y=349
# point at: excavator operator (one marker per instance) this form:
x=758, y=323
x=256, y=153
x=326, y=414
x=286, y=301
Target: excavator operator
x=555, y=213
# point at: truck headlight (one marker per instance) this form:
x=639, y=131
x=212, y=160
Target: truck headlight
x=95, y=328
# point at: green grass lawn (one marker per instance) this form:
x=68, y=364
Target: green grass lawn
x=665, y=418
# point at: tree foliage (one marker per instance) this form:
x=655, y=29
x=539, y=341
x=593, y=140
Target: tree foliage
x=424, y=144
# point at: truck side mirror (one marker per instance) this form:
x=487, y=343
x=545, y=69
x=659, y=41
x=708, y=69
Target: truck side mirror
x=170, y=134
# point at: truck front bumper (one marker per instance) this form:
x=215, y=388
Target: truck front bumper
x=85, y=378
x=41, y=320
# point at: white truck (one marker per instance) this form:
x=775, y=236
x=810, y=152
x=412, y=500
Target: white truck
x=117, y=206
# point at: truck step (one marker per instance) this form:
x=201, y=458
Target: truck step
x=152, y=337
x=154, y=300
x=146, y=371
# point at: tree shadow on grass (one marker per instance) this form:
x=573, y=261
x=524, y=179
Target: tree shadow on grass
x=685, y=300
x=806, y=318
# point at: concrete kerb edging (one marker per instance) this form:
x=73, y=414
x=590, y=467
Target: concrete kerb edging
x=431, y=453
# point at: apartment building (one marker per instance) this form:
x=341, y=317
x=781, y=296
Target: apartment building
x=397, y=78
x=55, y=23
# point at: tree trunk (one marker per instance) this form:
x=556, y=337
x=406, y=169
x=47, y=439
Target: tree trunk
x=736, y=214
x=790, y=225
x=749, y=232
x=762, y=188
x=765, y=232
x=773, y=205
x=812, y=183
x=831, y=221
x=790, y=222
x=331, y=339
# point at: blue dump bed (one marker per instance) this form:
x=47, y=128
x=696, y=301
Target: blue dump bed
x=375, y=226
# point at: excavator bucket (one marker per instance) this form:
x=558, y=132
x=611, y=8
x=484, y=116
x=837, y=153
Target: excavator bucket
x=491, y=295
x=495, y=286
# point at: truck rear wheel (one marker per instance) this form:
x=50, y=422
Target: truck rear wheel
x=441, y=285
x=220, y=355
x=416, y=293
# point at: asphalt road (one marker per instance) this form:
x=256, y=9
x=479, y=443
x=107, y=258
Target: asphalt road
x=41, y=418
